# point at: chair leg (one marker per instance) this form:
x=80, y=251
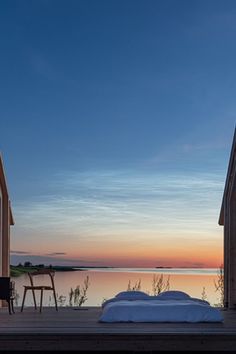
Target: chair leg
x=12, y=306
x=9, y=306
x=41, y=300
x=55, y=298
x=23, y=301
x=35, y=306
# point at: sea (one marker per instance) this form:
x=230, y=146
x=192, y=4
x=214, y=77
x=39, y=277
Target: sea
x=105, y=283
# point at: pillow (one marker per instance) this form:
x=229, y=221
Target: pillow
x=200, y=301
x=173, y=295
x=132, y=295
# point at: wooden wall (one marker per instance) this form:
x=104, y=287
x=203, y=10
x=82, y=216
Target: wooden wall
x=1, y=228
x=228, y=220
x=6, y=221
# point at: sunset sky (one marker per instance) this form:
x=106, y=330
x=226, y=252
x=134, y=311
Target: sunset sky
x=116, y=123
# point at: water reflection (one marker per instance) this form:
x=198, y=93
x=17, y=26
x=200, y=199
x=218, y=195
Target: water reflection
x=105, y=284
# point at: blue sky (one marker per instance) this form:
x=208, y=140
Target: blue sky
x=117, y=119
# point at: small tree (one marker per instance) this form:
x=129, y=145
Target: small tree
x=60, y=299
x=78, y=296
x=204, y=294
x=16, y=298
x=219, y=285
x=135, y=287
x=159, y=284
x=71, y=295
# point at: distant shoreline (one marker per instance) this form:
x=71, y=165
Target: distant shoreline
x=160, y=267
x=17, y=270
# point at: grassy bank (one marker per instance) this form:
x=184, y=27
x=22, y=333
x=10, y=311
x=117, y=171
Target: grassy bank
x=16, y=271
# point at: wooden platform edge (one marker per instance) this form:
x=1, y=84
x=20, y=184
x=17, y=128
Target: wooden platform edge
x=117, y=342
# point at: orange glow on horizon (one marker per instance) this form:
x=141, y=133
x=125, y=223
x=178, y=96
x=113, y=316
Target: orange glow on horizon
x=131, y=252
x=209, y=257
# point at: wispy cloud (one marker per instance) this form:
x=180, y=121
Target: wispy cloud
x=19, y=252
x=108, y=203
x=205, y=146
x=187, y=150
x=56, y=254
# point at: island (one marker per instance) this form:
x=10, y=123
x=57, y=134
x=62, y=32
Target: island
x=28, y=267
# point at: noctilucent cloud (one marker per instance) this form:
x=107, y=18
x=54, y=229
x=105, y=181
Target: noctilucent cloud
x=116, y=123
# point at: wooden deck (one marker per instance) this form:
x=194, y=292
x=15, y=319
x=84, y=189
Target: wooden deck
x=79, y=330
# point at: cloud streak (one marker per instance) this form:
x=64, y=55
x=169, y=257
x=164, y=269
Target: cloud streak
x=56, y=254
x=19, y=252
x=121, y=202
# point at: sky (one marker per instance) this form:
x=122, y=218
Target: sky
x=116, y=124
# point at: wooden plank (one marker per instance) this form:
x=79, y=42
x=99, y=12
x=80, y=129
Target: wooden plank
x=50, y=320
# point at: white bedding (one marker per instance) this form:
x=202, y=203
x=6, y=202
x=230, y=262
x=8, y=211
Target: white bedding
x=163, y=309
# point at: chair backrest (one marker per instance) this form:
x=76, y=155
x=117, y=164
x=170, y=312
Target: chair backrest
x=4, y=288
x=50, y=272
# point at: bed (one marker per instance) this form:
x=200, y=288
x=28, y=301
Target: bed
x=169, y=306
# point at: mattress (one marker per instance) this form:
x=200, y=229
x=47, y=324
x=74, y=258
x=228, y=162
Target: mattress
x=164, y=309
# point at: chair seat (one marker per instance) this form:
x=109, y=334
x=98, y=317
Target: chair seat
x=38, y=287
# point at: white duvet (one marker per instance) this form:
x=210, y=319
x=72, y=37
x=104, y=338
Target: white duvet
x=171, y=306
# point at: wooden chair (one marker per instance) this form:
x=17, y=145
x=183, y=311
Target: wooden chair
x=33, y=287
x=7, y=292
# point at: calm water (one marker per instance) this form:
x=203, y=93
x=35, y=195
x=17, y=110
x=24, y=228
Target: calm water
x=106, y=283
